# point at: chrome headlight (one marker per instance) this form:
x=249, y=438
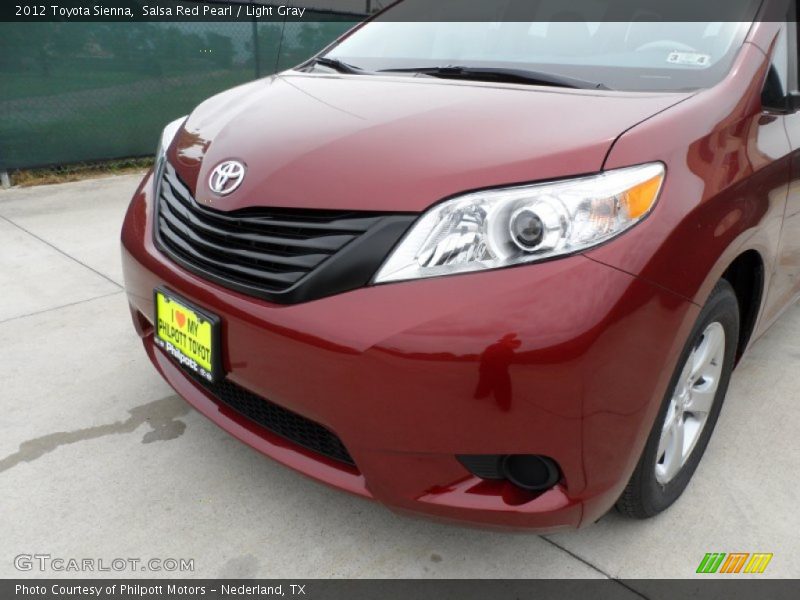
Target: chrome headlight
x=510, y=226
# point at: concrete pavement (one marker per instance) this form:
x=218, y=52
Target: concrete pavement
x=99, y=458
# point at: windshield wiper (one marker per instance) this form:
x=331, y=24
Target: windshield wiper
x=502, y=74
x=338, y=65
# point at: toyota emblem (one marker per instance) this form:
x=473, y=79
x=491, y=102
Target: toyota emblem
x=226, y=177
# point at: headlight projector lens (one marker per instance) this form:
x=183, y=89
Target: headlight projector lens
x=539, y=227
x=527, y=229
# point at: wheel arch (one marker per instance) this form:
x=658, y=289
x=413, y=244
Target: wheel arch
x=746, y=274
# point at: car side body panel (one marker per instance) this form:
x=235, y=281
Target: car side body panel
x=730, y=164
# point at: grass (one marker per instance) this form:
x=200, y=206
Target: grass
x=79, y=171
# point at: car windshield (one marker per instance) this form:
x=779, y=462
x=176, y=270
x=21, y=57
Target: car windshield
x=633, y=55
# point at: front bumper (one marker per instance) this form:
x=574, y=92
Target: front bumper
x=568, y=359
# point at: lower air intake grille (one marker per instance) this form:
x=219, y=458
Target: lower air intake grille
x=283, y=422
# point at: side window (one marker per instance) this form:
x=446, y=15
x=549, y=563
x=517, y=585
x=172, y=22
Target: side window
x=780, y=60
x=782, y=77
x=793, y=50
x=777, y=84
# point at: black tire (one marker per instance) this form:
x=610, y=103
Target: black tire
x=644, y=496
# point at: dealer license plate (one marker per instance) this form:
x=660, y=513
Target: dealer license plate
x=190, y=335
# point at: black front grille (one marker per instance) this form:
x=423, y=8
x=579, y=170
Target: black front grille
x=274, y=253
x=281, y=421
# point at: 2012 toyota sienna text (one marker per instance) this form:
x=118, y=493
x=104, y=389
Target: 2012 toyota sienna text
x=497, y=273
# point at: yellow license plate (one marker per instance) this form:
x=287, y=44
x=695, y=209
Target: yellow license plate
x=188, y=334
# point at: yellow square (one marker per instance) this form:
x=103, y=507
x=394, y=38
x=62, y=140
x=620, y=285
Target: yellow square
x=181, y=329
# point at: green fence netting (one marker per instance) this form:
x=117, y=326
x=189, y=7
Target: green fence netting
x=74, y=92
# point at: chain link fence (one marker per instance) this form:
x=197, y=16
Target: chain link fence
x=77, y=92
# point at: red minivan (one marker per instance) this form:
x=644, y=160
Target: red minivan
x=495, y=272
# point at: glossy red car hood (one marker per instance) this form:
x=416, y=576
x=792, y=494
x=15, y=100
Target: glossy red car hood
x=397, y=143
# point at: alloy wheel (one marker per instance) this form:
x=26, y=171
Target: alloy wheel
x=691, y=403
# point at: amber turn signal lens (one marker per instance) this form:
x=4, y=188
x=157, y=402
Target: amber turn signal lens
x=640, y=199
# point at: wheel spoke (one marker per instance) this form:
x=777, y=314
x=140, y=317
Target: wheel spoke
x=703, y=399
x=699, y=358
x=664, y=442
x=708, y=355
x=716, y=337
x=673, y=458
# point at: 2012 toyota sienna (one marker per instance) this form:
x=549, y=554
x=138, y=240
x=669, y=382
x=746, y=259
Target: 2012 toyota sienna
x=494, y=272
